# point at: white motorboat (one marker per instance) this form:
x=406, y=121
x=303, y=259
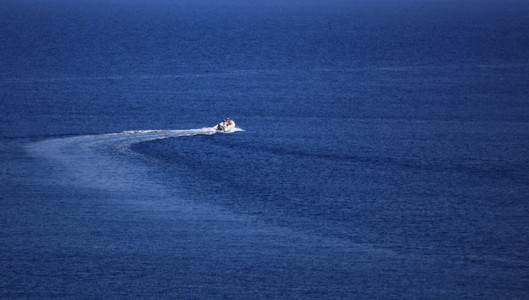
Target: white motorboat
x=225, y=126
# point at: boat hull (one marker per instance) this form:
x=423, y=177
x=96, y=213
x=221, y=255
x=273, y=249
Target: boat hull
x=221, y=127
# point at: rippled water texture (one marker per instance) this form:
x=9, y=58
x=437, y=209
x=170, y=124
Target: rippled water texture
x=381, y=149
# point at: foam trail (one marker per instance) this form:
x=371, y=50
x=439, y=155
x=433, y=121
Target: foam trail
x=102, y=163
x=90, y=160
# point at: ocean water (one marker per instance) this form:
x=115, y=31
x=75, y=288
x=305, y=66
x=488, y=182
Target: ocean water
x=381, y=150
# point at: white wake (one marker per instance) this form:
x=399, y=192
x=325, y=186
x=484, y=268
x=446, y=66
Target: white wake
x=94, y=161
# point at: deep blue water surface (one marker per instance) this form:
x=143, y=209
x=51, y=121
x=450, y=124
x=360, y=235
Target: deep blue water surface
x=382, y=149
